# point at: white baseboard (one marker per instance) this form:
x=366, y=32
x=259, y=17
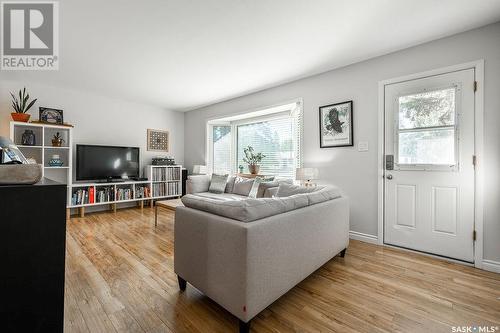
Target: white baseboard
x=363, y=237
x=492, y=266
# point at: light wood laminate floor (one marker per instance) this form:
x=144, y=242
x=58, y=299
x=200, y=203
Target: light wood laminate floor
x=120, y=278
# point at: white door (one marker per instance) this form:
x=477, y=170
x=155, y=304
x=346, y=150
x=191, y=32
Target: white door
x=429, y=170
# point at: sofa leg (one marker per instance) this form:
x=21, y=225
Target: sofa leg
x=244, y=327
x=342, y=253
x=182, y=283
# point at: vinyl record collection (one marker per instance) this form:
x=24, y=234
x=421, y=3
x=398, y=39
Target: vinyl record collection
x=162, y=189
x=164, y=174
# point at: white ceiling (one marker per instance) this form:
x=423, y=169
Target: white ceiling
x=183, y=54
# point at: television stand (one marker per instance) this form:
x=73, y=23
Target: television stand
x=109, y=180
x=164, y=182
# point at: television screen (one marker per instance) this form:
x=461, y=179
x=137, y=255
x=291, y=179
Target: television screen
x=106, y=162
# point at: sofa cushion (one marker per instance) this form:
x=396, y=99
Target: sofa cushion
x=230, y=184
x=217, y=183
x=286, y=190
x=242, y=186
x=219, y=196
x=270, y=192
x=258, y=186
x=263, y=186
x=323, y=194
x=248, y=209
x=197, y=183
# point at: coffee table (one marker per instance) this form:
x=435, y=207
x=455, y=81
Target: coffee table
x=170, y=204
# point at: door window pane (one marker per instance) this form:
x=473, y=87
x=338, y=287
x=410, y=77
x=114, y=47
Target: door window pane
x=427, y=109
x=436, y=146
x=221, y=149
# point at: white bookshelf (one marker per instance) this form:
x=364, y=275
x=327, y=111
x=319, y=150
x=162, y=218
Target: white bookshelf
x=43, y=150
x=164, y=182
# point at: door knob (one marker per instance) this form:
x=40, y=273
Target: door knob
x=389, y=177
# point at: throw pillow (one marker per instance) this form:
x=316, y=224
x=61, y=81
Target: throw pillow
x=263, y=186
x=271, y=192
x=217, y=183
x=242, y=186
x=286, y=190
x=230, y=184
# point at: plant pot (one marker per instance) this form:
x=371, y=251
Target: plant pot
x=22, y=117
x=254, y=169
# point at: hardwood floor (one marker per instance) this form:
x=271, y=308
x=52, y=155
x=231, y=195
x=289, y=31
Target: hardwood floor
x=119, y=278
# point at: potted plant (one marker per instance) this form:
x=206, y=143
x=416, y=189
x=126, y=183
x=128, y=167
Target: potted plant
x=21, y=106
x=252, y=159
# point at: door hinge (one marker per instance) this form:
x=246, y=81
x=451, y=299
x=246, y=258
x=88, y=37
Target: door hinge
x=474, y=160
x=475, y=86
x=474, y=235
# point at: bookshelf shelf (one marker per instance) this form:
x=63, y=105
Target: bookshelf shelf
x=35, y=147
x=42, y=150
x=163, y=182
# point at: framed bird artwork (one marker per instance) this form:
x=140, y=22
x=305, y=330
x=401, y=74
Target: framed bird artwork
x=336, y=125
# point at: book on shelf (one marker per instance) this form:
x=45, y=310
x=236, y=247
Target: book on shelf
x=124, y=194
x=81, y=196
x=105, y=194
x=142, y=191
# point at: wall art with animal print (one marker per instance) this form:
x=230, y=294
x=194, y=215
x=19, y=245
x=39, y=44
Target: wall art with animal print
x=336, y=125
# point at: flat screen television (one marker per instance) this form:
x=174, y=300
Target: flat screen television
x=106, y=162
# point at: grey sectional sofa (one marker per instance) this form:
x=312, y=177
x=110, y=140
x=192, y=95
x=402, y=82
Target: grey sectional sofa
x=244, y=253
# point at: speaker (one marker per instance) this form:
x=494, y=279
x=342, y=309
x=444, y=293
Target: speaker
x=184, y=179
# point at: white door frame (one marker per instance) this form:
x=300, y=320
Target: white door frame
x=478, y=147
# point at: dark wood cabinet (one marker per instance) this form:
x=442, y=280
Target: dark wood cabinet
x=33, y=245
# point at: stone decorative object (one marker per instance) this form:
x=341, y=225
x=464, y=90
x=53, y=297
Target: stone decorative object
x=20, y=174
x=56, y=161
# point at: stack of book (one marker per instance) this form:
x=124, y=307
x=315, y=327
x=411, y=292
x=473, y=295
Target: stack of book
x=142, y=191
x=105, y=194
x=83, y=196
x=124, y=194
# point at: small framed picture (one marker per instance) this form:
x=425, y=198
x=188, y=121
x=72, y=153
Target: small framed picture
x=158, y=140
x=336, y=125
x=51, y=116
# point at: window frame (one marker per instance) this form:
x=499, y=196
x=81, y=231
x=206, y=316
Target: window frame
x=456, y=126
x=246, y=121
x=249, y=121
x=210, y=145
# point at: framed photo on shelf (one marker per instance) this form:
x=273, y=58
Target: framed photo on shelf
x=336, y=125
x=50, y=116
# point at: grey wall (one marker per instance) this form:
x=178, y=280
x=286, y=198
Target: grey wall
x=356, y=172
x=98, y=119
